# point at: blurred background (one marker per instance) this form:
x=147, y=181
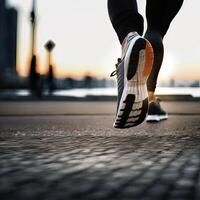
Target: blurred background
x=69, y=48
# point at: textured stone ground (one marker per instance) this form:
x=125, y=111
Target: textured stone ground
x=83, y=157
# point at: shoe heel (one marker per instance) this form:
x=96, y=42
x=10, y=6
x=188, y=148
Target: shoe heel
x=149, y=60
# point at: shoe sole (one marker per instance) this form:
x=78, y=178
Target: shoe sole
x=133, y=105
x=156, y=118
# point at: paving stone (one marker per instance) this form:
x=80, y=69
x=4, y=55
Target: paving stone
x=82, y=157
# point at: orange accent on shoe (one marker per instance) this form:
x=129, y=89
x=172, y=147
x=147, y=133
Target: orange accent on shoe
x=148, y=60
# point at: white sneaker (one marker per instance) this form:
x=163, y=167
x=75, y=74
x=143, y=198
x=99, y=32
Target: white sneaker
x=155, y=112
x=132, y=72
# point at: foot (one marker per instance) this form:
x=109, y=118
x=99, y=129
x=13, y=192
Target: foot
x=132, y=72
x=156, y=112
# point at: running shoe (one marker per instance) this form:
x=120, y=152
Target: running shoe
x=132, y=72
x=156, y=112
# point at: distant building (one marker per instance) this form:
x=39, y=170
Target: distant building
x=8, y=42
x=172, y=83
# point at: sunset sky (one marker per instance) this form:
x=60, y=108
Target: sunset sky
x=86, y=42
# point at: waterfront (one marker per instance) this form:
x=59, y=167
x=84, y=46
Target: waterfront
x=193, y=91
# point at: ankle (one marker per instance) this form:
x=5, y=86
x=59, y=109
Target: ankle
x=152, y=96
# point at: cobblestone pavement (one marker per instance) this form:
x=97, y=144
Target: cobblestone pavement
x=83, y=157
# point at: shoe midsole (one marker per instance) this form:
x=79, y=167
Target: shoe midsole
x=138, y=51
x=156, y=117
x=139, y=91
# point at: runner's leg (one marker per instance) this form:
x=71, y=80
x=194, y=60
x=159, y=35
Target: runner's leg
x=125, y=17
x=159, y=15
x=134, y=66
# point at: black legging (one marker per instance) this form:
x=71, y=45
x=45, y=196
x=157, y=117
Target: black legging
x=159, y=13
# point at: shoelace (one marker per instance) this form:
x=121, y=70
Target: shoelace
x=114, y=73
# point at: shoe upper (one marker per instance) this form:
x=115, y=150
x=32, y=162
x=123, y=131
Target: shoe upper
x=155, y=108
